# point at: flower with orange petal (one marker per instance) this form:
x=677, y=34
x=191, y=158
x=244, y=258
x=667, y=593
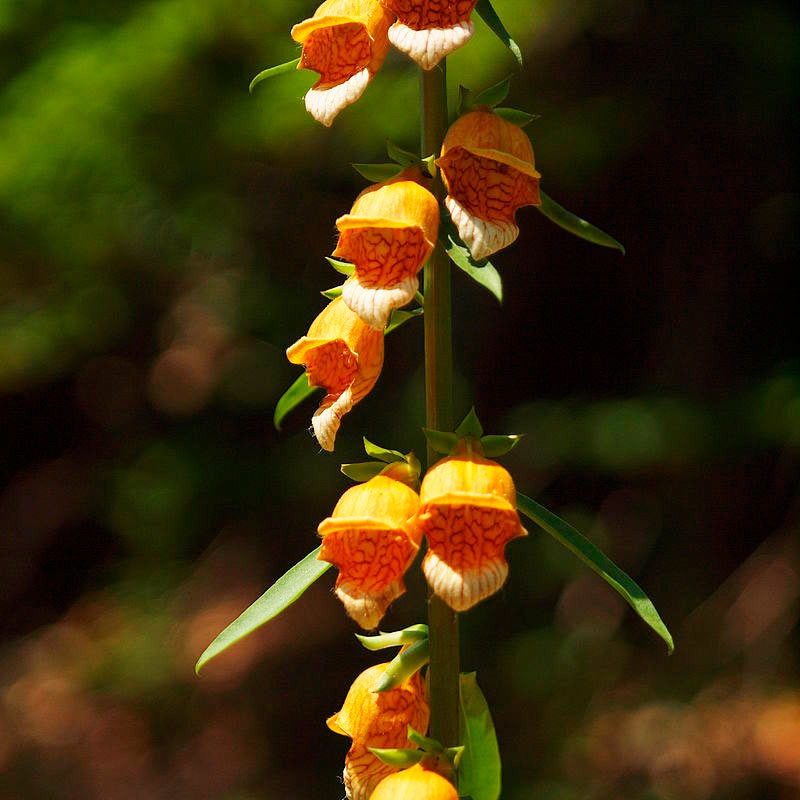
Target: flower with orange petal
x=369, y=539
x=388, y=235
x=488, y=168
x=346, y=42
x=377, y=719
x=429, y=30
x=345, y=356
x=468, y=515
x=415, y=783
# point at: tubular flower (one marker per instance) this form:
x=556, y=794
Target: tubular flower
x=369, y=539
x=388, y=235
x=468, y=515
x=345, y=42
x=373, y=719
x=416, y=783
x=343, y=355
x=428, y=30
x=487, y=166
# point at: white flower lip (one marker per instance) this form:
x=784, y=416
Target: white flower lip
x=324, y=104
x=429, y=46
x=482, y=237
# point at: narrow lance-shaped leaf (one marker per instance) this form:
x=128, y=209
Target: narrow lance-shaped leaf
x=332, y=294
x=402, y=157
x=593, y=557
x=414, y=633
x=378, y=172
x=400, y=317
x=479, y=770
x=440, y=441
x=273, y=71
x=299, y=391
x=494, y=446
x=398, y=757
x=494, y=95
x=470, y=425
x=484, y=274
x=515, y=116
x=575, y=225
x=278, y=597
x=489, y=16
x=363, y=471
x=382, y=453
x=425, y=743
x=404, y=664
x=342, y=267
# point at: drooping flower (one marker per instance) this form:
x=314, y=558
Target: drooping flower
x=429, y=30
x=377, y=719
x=370, y=540
x=388, y=235
x=468, y=515
x=346, y=42
x=415, y=783
x=488, y=168
x=344, y=355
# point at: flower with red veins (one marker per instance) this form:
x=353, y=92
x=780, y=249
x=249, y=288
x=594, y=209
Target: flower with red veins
x=377, y=719
x=345, y=356
x=416, y=783
x=346, y=42
x=468, y=515
x=429, y=30
x=369, y=539
x=488, y=168
x=388, y=235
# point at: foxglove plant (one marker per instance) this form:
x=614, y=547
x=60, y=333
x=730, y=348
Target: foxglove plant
x=454, y=202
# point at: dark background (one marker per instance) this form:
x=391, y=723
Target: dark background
x=162, y=236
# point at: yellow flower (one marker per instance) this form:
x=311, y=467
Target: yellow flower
x=488, y=168
x=369, y=538
x=373, y=719
x=428, y=30
x=416, y=783
x=346, y=42
x=344, y=355
x=388, y=235
x=468, y=515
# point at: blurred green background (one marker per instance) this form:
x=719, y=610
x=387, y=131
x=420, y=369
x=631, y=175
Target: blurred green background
x=162, y=236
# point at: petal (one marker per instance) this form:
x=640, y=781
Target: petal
x=482, y=237
x=430, y=45
x=328, y=417
x=375, y=304
x=324, y=104
x=422, y=14
x=363, y=772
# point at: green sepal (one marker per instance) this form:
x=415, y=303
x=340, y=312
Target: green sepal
x=441, y=441
x=489, y=16
x=494, y=95
x=482, y=272
x=400, y=317
x=430, y=164
x=381, y=453
x=377, y=173
x=470, y=425
x=363, y=471
x=594, y=558
x=288, y=588
x=575, y=225
x=397, y=757
x=479, y=771
x=299, y=391
x=466, y=100
x=425, y=743
x=419, y=299
x=454, y=755
x=333, y=293
x=342, y=267
x=516, y=116
x=272, y=72
x=495, y=446
x=404, y=665
x=413, y=633
x=402, y=157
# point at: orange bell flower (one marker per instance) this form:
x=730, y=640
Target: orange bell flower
x=468, y=515
x=369, y=539
x=488, y=168
x=429, y=30
x=388, y=235
x=344, y=355
x=377, y=719
x=346, y=42
x=415, y=783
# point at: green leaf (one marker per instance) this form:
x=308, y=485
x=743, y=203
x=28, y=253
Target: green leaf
x=593, y=557
x=292, y=397
x=484, y=274
x=425, y=743
x=494, y=446
x=466, y=100
x=363, y=471
x=575, y=225
x=277, y=598
x=273, y=71
x=381, y=453
x=414, y=633
x=333, y=293
x=479, y=769
x=398, y=757
x=494, y=95
x=343, y=267
x=403, y=157
x=377, y=172
x=470, y=425
x=489, y=16
x=515, y=116
x=400, y=317
x=440, y=441
x=404, y=665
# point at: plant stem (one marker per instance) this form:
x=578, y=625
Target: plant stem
x=442, y=621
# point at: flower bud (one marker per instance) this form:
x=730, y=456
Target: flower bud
x=415, y=783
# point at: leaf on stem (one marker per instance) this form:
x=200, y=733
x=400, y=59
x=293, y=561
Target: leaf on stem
x=273, y=71
x=404, y=665
x=593, y=557
x=515, y=116
x=494, y=446
x=402, y=157
x=489, y=16
x=378, y=172
x=398, y=757
x=342, y=267
x=278, y=597
x=479, y=770
x=440, y=441
x=333, y=293
x=299, y=391
x=363, y=471
x=470, y=425
x=483, y=273
x=494, y=95
x=382, y=453
x=400, y=317
x=414, y=633
x=575, y=225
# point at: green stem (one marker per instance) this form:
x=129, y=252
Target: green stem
x=442, y=621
